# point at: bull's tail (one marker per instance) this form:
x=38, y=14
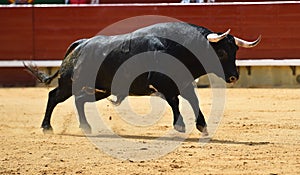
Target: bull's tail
x=41, y=76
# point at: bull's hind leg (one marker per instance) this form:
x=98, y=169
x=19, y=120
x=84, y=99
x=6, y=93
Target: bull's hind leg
x=80, y=100
x=55, y=96
x=190, y=96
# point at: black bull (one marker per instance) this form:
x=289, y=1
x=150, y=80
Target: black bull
x=89, y=67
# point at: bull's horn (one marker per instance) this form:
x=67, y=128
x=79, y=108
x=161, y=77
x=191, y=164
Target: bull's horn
x=246, y=44
x=213, y=37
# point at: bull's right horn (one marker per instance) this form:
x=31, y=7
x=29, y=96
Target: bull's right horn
x=213, y=37
x=246, y=44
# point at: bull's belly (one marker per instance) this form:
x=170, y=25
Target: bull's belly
x=147, y=90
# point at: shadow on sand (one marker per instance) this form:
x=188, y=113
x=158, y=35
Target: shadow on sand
x=187, y=140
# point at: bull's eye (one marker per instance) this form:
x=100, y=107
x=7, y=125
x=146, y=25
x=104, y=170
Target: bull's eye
x=222, y=54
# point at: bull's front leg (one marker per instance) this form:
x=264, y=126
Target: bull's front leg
x=201, y=124
x=190, y=95
x=177, y=118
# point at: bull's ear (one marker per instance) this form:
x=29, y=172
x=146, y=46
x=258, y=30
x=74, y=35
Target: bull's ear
x=213, y=37
x=246, y=44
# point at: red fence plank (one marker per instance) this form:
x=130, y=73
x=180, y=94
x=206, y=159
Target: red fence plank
x=16, y=33
x=16, y=43
x=137, y=1
x=44, y=32
x=57, y=27
x=15, y=77
x=54, y=28
x=277, y=23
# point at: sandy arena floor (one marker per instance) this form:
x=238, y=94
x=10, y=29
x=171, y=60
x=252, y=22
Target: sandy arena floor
x=259, y=134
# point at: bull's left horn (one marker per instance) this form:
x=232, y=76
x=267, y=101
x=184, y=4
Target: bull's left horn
x=246, y=44
x=213, y=37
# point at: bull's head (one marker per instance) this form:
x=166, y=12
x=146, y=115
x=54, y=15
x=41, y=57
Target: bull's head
x=225, y=46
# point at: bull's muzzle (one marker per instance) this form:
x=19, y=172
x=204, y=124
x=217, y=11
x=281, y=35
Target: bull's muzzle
x=232, y=79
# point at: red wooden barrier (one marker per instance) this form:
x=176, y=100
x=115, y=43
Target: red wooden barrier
x=16, y=33
x=55, y=28
x=15, y=77
x=16, y=43
x=137, y=1
x=44, y=32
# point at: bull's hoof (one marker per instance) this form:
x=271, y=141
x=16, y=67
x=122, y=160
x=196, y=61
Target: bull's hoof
x=203, y=130
x=86, y=128
x=179, y=128
x=47, y=129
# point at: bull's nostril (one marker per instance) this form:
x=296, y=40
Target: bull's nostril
x=232, y=79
